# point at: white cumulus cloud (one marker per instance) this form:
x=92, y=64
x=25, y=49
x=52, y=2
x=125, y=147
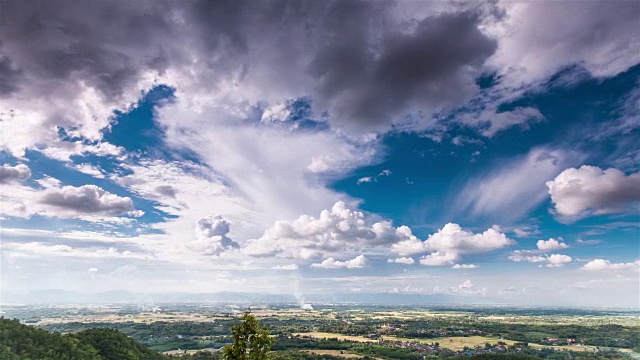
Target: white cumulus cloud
x=551, y=244
x=467, y=284
x=526, y=255
x=212, y=239
x=365, y=179
x=601, y=264
x=8, y=173
x=589, y=190
x=289, y=267
x=453, y=239
x=536, y=39
x=359, y=261
x=212, y=226
x=402, y=260
x=464, y=266
x=439, y=258
x=553, y=260
x=337, y=230
x=556, y=260
x=70, y=201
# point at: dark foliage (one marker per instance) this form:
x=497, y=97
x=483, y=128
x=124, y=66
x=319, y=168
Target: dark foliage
x=18, y=341
x=112, y=344
x=22, y=342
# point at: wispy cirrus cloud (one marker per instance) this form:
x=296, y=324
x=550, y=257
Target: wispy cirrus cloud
x=512, y=188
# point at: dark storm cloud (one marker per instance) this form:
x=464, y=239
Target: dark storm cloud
x=9, y=76
x=104, y=44
x=218, y=24
x=424, y=69
x=356, y=59
x=86, y=199
x=166, y=190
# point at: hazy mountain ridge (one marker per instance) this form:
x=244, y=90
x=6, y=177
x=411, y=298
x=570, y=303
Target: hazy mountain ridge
x=56, y=296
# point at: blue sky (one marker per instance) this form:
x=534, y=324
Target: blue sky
x=463, y=150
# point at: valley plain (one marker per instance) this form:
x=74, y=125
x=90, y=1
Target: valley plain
x=358, y=331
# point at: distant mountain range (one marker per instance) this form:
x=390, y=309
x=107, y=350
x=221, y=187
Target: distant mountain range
x=56, y=296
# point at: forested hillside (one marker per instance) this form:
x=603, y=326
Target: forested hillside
x=22, y=342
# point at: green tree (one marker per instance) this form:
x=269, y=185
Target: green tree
x=111, y=344
x=250, y=340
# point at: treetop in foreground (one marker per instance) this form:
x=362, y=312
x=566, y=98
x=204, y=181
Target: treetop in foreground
x=250, y=340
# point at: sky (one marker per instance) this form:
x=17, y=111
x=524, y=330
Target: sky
x=484, y=151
